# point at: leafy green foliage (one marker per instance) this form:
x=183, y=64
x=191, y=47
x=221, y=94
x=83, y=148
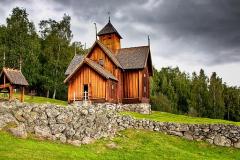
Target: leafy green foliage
x=43, y=59
x=176, y=92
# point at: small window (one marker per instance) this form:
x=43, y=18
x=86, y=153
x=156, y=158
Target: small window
x=144, y=75
x=101, y=62
x=145, y=89
x=112, y=86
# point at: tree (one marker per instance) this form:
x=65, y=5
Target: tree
x=21, y=45
x=199, y=94
x=57, y=52
x=216, y=109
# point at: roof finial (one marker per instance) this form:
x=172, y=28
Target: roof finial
x=109, y=17
x=148, y=40
x=95, y=29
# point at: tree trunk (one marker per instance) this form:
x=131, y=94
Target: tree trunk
x=48, y=93
x=54, y=93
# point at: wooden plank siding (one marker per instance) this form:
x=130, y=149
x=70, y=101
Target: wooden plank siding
x=87, y=76
x=98, y=54
x=131, y=84
x=111, y=41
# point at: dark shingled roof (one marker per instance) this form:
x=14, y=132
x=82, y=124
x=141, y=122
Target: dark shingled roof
x=77, y=59
x=108, y=29
x=14, y=76
x=134, y=57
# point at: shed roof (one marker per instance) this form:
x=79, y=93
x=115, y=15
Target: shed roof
x=14, y=76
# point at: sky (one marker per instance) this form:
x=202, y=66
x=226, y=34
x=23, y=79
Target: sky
x=190, y=34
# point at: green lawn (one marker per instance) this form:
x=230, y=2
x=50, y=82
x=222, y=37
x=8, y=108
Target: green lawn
x=133, y=144
x=168, y=117
x=37, y=99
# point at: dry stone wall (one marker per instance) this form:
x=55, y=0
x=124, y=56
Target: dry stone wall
x=83, y=124
x=74, y=125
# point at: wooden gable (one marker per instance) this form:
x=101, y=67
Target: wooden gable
x=98, y=55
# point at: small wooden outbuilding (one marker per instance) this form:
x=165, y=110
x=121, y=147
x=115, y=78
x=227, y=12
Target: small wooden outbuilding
x=11, y=79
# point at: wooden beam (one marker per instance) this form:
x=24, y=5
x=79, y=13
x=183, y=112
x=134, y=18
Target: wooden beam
x=10, y=93
x=22, y=94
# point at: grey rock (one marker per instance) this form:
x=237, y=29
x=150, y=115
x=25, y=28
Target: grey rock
x=74, y=142
x=52, y=112
x=42, y=132
x=7, y=119
x=19, y=131
x=176, y=133
x=84, y=112
x=220, y=140
x=237, y=144
x=188, y=135
x=63, y=138
x=64, y=118
x=57, y=128
x=19, y=116
x=87, y=140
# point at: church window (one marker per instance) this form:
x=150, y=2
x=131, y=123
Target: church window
x=101, y=62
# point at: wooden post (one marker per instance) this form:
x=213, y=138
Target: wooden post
x=4, y=80
x=10, y=93
x=22, y=94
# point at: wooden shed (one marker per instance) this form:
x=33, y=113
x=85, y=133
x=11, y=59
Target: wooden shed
x=11, y=79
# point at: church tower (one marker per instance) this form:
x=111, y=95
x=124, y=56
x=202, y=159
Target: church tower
x=110, y=37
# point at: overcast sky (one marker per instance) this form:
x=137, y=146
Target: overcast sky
x=191, y=34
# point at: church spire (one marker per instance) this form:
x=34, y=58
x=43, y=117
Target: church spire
x=109, y=17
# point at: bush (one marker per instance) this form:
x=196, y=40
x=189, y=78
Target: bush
x=161, y=103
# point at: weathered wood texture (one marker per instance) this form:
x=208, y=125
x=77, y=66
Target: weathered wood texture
x=112, y=41
x=87, y=76
x=98, y=54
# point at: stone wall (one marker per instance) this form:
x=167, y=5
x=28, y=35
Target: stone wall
x=218, y=134
x=71, y=124
x=83, y=124
x=143, y=108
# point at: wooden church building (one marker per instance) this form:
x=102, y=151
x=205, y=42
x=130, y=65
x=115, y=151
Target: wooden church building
x=109, y=73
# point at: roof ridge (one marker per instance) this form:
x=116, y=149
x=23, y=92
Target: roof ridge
x=133, y=47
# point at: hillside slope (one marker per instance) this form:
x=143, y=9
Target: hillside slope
x=131, y=144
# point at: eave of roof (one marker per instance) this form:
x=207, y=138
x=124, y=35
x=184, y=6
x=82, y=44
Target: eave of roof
x=75, y=61
x=15, y=76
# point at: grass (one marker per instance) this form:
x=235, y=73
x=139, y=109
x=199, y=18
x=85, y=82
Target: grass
x=133, y=144
x=169, y=117
x=36, y=99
